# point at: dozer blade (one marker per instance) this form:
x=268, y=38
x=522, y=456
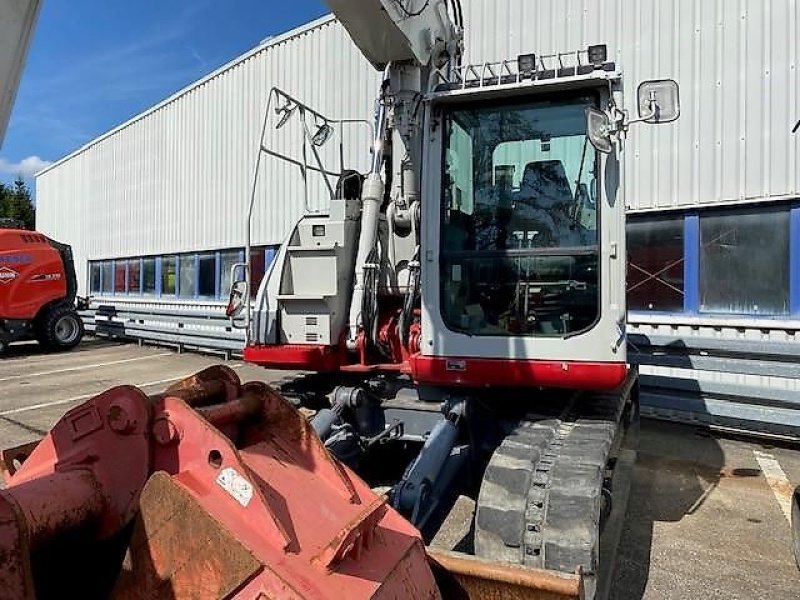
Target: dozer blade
x=464, y=577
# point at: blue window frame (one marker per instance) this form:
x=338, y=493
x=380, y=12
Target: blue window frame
x=691, y=263
x=794, y=259
x=739, y=260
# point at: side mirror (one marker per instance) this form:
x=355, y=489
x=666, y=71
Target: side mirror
x=323, y=134
x=659, y=101
x=598, y=130
x=237, y=299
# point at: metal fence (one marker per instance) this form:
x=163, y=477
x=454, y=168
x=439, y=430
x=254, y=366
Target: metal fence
x=202, y=328
x=728, y=374
x=734, y=374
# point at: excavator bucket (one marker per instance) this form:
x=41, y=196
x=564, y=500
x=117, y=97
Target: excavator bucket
x=216, y=489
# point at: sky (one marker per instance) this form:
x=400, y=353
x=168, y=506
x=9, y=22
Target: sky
x=94, y=64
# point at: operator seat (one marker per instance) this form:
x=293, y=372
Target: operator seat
x=541, y=207
x=545, y=185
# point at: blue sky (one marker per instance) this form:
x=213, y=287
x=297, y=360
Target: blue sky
x=94, y=64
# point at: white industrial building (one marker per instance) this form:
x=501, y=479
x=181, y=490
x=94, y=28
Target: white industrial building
x=155, y=210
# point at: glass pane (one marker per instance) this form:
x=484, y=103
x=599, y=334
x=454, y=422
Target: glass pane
x=108, y=277
x=744, y=263
x=226, y=261
x=96, y=270
x=520, y=220
x=168, y=275
x=149, y=276
x=186, y=285
x=208, y=276
x=119, y=276
x=134, y=280
x=257, y=266
x=655, y=264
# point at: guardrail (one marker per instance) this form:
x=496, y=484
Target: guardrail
x=729, y=375
x=202, y=328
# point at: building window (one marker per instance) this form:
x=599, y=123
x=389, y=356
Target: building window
x=149, y=275
x=207, y=278
x=134, y=276
x=656, y=264
x=257, y=268
x=108, y=277
x=168, y=275
x=186, y=275
x=227, y=259
x=744, y=262
x=95, y=277
x=119, y=276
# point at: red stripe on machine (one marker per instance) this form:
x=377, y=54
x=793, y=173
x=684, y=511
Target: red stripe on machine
x=481, y=372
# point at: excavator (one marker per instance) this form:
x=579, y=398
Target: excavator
x=461, y=307
x=457, y=315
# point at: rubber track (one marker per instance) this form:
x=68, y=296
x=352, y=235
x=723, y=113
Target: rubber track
x=541, y=497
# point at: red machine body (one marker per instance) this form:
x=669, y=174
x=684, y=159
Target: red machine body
x=37, y=291
x=32, y=273
x=231, y=495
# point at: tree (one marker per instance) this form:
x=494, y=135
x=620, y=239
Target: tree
x=16, y=203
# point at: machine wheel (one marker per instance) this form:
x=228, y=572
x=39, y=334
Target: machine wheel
x=60, y=328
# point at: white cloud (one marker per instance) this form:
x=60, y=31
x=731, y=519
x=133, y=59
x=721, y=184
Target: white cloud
x=27, y=167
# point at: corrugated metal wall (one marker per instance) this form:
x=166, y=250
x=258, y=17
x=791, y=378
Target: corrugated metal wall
x=737, y=65
x=178, y=178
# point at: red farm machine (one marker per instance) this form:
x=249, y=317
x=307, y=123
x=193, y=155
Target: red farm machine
x=458, y=316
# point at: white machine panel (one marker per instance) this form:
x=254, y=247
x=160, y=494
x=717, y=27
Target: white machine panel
x=394, y=30
x=17, y=20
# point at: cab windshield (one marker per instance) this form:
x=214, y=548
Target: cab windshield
x=519, y=233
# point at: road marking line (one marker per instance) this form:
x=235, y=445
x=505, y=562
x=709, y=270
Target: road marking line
x=22, y=409
x=777, y=480
x=81, y=368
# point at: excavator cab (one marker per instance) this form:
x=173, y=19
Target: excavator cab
x=520, y=253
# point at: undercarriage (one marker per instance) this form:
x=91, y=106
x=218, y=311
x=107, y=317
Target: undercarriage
x=545, y=473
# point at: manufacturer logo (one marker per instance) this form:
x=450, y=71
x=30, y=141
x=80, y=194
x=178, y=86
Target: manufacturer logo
x=16, y=259
x=7, y=275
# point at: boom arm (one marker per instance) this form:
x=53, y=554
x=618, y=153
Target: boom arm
x=398, y=30
x=405, y=38
x=17, y=21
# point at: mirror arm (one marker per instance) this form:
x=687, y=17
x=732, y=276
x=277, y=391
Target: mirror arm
x=652, y=114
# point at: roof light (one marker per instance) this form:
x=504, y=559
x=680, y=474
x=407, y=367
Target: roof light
x=598, y=55
x=526, y=64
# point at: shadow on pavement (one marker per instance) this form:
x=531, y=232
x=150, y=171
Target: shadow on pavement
x=676, y=471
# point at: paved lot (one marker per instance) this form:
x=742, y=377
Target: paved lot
x=36, y=389
x=704, y=520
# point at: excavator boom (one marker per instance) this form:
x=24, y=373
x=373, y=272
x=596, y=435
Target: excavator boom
x=397, y=30
x=17, y=22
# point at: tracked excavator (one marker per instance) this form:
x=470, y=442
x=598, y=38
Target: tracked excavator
x=458, y=314
x=461, y=306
